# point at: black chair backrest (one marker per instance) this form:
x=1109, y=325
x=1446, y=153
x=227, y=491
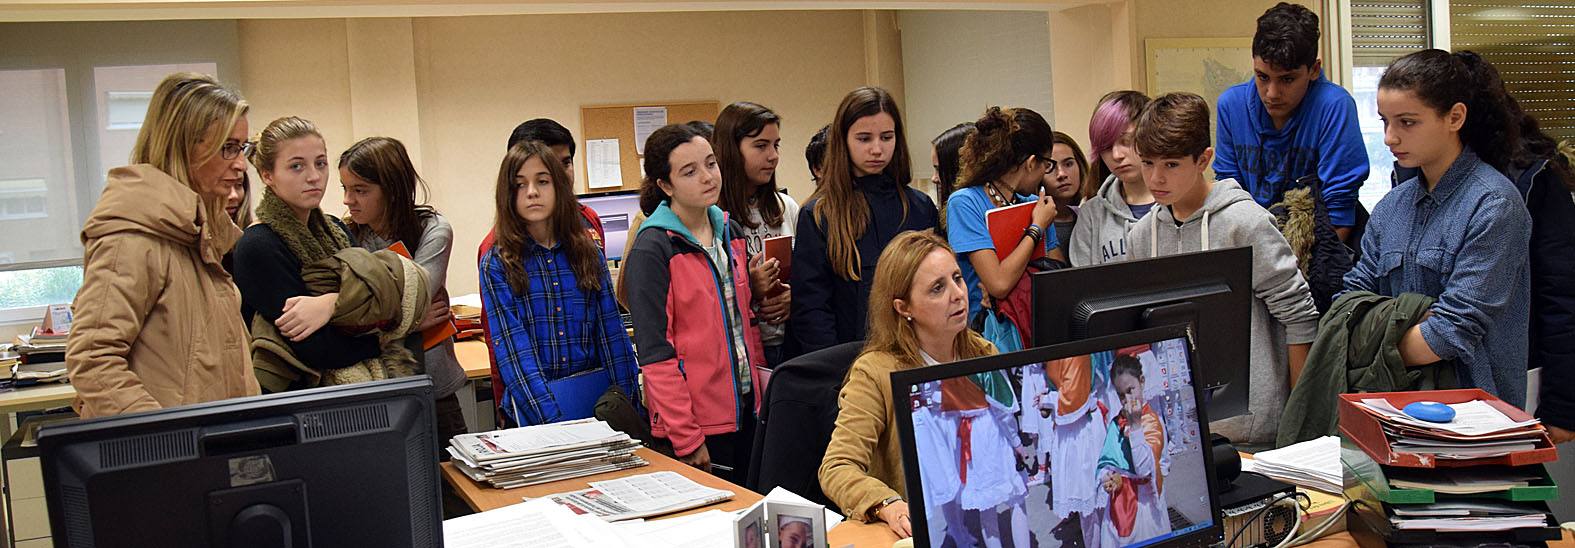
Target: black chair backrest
x=796, y=419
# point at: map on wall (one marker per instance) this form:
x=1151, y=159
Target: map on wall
x=1205, y=66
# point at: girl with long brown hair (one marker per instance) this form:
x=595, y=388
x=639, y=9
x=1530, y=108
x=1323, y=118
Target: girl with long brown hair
x=863, y=201
x=557, y=336
x=748, y=140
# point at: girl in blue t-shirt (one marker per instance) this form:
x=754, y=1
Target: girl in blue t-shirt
x=1003, y=163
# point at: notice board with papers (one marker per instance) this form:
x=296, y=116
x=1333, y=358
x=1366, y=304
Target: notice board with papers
x=606, y=122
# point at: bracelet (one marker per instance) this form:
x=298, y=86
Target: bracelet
x=1033, y=231
x=874, y=511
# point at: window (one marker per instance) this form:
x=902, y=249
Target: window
x=1381, y=32
x=126, y=109
x=1530, y=44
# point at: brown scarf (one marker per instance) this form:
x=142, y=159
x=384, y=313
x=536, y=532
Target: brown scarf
x=317, y=239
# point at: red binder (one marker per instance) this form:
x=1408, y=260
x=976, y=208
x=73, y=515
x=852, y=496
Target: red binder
x=1367, y=431
x=1006, y=225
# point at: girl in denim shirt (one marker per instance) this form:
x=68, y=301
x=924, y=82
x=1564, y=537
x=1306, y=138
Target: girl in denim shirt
x=1459, y=232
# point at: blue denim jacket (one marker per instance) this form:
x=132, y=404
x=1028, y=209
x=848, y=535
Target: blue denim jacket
x=1466, y=243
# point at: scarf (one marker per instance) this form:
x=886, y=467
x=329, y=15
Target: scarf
x=317, y=239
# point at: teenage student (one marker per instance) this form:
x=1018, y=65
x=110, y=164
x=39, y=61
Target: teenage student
x=748, y=145
x=157, y=321
x=558, y=138
x=918, y=317
x=1003, y=162
x=290, y=347
x=1121, y=198
x=1198, y=214
x=1459, y=232
x=946, y=159
x=557, y=336
x=380, y=185
x=1289, y=121
x=863, y=201
x=1064, y=183
x=815, y=153
x=1544, y=178
x=238, y=203
x=689, y=292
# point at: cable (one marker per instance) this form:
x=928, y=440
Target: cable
x=1258, y=514
x=1322, y=528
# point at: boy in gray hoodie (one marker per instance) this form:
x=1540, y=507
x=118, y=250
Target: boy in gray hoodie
x=1196, y=214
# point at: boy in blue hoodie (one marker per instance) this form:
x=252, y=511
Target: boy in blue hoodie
x=1289, y=122
x=1196, y=214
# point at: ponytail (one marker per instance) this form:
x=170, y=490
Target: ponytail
x=1000, y=141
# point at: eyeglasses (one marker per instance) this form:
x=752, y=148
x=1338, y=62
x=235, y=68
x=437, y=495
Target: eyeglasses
x=1050, y=165
x=230, y=150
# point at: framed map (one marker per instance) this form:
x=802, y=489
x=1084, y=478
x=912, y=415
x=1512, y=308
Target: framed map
x=1205, y=66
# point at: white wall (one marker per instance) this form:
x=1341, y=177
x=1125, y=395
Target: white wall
x=957, y=63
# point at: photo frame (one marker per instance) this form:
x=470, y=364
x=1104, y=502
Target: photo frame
x=749, y=528
x=795, y=525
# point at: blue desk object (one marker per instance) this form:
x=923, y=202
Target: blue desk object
x=1430, y=411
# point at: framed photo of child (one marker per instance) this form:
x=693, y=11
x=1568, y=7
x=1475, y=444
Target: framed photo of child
x=795, y=525
x=749, y=528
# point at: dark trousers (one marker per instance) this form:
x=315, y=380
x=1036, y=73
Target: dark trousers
x=450, y=422
x=732, y=450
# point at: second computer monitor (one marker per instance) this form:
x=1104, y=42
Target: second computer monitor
x=1209, y=290
x=617, y=209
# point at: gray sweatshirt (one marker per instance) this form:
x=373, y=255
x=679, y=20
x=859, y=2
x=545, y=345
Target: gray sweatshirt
x=1100, y=235
x=1282, y=304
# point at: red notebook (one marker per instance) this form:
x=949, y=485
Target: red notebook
x=781, y=249
x=1006, y=225
x=434, y=335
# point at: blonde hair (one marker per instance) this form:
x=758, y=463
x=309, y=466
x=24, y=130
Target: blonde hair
x=266, y=147
x=184, y=109
x=894, y=273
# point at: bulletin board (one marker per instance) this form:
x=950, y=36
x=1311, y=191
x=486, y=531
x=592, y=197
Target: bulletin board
x=618, y=122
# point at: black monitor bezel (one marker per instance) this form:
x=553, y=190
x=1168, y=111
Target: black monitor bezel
x=902, y=382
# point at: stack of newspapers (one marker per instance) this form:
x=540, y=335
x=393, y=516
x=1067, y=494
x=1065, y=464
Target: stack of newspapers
x=518, y=457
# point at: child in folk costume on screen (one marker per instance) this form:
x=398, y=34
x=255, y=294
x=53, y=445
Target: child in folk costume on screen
x=936, y=432
x=1038, y=397
x=1131, y=481
x=1078, y=435
x=988, y=447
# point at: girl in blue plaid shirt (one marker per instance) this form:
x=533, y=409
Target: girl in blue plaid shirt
x=556, y=335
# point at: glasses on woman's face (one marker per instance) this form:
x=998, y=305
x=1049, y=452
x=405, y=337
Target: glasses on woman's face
x=233, y=149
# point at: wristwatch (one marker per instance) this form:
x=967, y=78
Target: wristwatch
x=875, y=510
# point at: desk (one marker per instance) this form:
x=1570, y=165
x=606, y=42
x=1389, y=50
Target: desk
x=482, y=498
x=473, y=358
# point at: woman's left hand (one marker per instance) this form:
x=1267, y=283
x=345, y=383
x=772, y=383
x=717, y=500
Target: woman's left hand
x=304, y=315
x=896, y=517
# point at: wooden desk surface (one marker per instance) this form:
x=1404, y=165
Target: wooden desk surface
x=472, y=355
x=482, y=498
x=33, y=398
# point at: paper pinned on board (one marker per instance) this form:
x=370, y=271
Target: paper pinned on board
x=646, y=121
x=601, y=164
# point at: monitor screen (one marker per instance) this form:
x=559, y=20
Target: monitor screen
x=1093, y=443
x=352, y=465
x=616, y=209
x=1214, y=296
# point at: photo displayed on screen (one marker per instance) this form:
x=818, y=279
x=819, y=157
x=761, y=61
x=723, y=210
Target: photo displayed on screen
x=1093, y=450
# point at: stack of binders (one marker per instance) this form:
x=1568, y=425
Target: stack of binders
x=1474, y=480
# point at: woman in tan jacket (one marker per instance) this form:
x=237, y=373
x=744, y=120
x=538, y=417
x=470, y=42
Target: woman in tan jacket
x=918, y=315
x=158, y=320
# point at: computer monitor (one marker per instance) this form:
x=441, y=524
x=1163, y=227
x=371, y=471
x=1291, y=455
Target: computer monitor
x=352, y=465
x=617, y=209
x=1097, y=442
x=1210, y=290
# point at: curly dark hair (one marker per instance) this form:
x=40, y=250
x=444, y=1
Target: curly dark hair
x=1441, y=79
x=1287, y=36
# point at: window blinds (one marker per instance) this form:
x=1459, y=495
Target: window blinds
x=1384, y=30
x=1532, y=43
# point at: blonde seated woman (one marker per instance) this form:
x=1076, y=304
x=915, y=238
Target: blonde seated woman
x=918, y=315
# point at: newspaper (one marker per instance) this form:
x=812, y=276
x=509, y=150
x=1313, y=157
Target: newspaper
x=532, y=455
x=640, y=496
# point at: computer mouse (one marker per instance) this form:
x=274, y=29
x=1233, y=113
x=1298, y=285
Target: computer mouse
x=1430, y=411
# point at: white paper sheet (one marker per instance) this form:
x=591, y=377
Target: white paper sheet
x=1472, y=418
x=534, y=524
x=601, y=164
x=646, y=121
